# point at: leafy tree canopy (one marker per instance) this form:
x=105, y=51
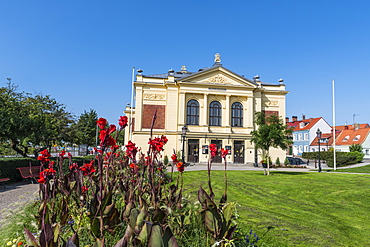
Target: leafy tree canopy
x=271, y=132
x=85, y=128
x=32, y=120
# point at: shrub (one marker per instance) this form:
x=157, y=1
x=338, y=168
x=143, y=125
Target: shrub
x=286, y=161
x=355, y=148
x=277, y=162
x=165, y=160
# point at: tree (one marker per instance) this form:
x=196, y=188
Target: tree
x=355, y=148
x=85, y=128
x=32, y=120
x=271, y=132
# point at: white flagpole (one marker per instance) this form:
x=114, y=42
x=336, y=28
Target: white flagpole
x=132, y=101
x=334, y=138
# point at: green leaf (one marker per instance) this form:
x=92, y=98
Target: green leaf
x=168, y=239
x=158, y=215
x=133, y=217
x=155, y=238
x=30, y=239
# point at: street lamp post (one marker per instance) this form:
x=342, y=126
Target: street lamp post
x=318, y=134
x=183, y=137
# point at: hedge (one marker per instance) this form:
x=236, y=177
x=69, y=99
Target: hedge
x=8, y=166
x=342, y=158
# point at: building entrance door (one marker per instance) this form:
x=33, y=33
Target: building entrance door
x=193, y=151
x=218, y=158
x=239, y=152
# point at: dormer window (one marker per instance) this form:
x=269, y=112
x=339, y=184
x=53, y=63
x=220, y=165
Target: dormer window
x=302, y=125
x=357, y=138
x=346, y=139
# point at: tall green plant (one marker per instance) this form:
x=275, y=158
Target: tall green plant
x=115, y=190
x=218, y=219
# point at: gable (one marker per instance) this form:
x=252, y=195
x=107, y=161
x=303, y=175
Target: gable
x=218, y=76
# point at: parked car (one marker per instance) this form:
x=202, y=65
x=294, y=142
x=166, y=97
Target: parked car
x=296, y=161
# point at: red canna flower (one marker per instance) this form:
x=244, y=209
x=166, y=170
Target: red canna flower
x=224, y=152
x=42, y=178
x=213, y=150
x=122, y=121
x=62, y=153
x=74, y=167
x=157, y=143
x=111, y=129
x=180, y=166
x=102, y=122
x=44, y=156
x=88, y=168
x=84, y=189
x=131, y=150
x=174, y=158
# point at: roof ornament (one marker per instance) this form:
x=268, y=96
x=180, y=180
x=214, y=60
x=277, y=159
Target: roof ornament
x=217, y=60
x=183, y=69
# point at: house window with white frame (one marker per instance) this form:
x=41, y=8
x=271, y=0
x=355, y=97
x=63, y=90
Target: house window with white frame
x=299, y=137
x=306, y=148
x=306, y=136
x=300, y=148
x=294, y=137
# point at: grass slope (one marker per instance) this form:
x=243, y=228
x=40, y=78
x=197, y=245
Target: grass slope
x=305, y=209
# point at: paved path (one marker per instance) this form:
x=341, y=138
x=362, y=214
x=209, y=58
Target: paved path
x=13, y=196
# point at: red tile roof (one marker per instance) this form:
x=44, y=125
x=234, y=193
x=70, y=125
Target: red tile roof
x=307, y=124
x=352, y=136
x=351, y=126
x=328, y=136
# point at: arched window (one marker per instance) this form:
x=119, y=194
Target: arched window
x=192, y=112
x=215, y=113
x=236, y=114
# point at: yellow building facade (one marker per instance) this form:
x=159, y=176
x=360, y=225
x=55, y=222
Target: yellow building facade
x=215, y=104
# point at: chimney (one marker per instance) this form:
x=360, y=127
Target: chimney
x=286, y=120
x=345, y=127
x=294, y=119
x=303, y=117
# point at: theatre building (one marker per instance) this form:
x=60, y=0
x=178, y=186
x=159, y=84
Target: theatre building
x=213, y=105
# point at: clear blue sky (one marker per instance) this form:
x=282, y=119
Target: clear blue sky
x=82, y=52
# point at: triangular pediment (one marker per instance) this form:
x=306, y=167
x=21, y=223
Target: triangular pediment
x=219, y=76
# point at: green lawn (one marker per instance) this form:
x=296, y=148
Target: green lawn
x=305, y=209
x=361, y=169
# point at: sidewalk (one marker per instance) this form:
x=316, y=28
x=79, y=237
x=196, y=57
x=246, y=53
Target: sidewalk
x=249, y=166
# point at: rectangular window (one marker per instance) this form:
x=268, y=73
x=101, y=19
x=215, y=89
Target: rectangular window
x=294, y=137
x=306, y=136
x=306, y=148
x=299, y=137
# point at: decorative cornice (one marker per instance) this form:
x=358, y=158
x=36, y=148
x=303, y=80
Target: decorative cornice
x=154, y=97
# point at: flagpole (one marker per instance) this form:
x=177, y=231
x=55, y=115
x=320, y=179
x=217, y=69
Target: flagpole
x=334, y=138
x=132, y=101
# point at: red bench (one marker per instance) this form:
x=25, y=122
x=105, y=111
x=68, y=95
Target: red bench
x=3, y=180
x=30, y=172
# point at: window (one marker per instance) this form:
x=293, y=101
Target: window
x=306, y=136
x=215, y=113
x=299, y=137
x=192, y=112
x=294, y=137
x=306, y=148
x=346, y=139
x=357, y=138
x=300, y=148
x=237, y=114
